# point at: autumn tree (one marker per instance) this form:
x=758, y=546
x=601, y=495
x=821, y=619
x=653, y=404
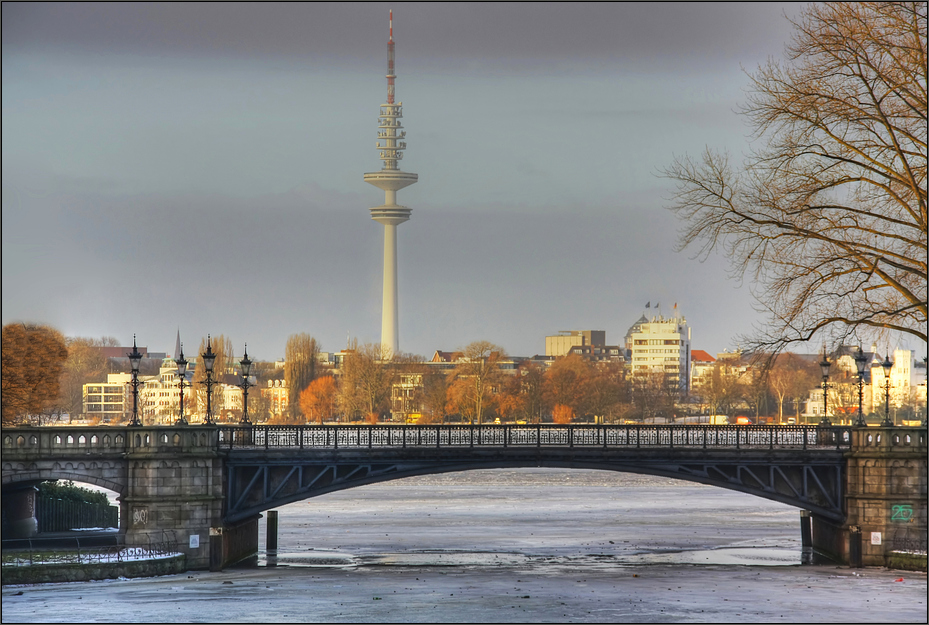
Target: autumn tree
x=531, y=380
x=33, y=359
x=562, y=414
x=606, y=390
x=301, y=358
x=510, y=401
x=318, y=400
x=568, y=384
x=828, y=216
x=433, y=396
x=476, y=374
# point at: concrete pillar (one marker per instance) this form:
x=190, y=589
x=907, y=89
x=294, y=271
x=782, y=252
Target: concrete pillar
x=806, y=530
x=271, y=537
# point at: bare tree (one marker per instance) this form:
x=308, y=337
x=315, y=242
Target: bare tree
x=722, y=391
x=366, y=380
x=301, y=357
x=829, y=216
x=788, y=373
x=474, y=377
x=85, y=364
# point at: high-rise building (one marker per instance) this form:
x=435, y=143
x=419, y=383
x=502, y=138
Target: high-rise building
x=662, y=346
x=390, y=143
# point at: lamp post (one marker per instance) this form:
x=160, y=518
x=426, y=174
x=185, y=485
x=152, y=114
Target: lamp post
x=861, y=362
x=887, y=365
x=246, y=367
x=182, y=382
x=209, y=358
x=135, y=359
x=824, y=366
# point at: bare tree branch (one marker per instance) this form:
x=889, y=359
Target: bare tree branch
x=829, y=216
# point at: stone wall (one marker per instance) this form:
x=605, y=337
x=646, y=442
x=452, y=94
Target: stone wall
x=49, y=573
x=887, y=491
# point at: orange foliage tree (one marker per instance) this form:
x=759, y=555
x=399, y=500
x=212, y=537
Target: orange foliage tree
x=317, y=401
x=568, y=383
x=33, y=359
x=562, y=414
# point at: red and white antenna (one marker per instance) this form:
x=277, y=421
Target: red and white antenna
x=390, y=62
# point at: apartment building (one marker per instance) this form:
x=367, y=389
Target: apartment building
x=662, y=345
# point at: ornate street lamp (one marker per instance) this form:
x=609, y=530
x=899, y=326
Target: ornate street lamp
x=824, y=366
x=246, y=367
x=861, y=362
x=887, y=365
x=181, y=383
x=209, y=358
x=135, y=359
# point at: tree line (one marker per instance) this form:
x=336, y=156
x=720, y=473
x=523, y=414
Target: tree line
x=44, y=374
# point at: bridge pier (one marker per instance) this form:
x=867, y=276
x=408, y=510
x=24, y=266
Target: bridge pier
x=885, y=498
x=19, y=513
x=174, y=490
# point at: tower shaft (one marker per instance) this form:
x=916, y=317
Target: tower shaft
x=390, y=323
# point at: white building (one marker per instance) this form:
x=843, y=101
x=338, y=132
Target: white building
x=108, y=401
x=903, y=383
x=663, y=346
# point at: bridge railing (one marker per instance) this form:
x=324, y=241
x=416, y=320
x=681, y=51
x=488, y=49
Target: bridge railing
x=543, y=435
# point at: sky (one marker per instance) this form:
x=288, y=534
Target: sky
x=198, y=168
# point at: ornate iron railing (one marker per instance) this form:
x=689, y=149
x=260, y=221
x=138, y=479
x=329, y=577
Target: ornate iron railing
x=543, y=435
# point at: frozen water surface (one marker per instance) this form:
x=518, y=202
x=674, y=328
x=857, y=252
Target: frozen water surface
x=530, y=545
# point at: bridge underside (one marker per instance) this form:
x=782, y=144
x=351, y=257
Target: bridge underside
x=260, y=481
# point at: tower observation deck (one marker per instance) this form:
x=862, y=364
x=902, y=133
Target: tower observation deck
x=390, y=144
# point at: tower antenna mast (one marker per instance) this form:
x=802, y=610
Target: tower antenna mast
x=390, y=144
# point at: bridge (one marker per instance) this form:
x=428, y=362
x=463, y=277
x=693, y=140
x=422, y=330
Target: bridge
x=209, y=484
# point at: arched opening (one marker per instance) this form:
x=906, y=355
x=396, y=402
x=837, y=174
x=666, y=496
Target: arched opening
x=59, y=509
x=69, y=506
x=534, y=516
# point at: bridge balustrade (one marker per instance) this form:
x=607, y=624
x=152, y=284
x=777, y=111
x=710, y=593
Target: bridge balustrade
x=542, y=435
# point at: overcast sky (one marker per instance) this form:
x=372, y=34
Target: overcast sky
x=199, y=167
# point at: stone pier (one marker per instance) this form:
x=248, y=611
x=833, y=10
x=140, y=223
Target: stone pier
x=886, y=496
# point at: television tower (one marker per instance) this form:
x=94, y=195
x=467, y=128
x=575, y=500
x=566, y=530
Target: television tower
x=391, y=145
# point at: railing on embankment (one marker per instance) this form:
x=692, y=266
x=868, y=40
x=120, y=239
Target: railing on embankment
x=541, y=435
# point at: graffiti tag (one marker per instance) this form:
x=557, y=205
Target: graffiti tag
x=901, y=513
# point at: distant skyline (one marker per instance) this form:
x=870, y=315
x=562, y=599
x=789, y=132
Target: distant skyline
x=199, y=167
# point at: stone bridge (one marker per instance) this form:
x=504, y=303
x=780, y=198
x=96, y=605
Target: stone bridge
x=208, y=485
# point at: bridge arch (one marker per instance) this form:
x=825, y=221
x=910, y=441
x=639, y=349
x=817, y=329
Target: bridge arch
x=253, y=487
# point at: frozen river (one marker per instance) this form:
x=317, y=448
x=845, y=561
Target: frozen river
x=510, y=546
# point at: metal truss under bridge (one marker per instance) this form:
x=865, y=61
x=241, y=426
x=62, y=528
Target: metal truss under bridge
x=269, y=466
